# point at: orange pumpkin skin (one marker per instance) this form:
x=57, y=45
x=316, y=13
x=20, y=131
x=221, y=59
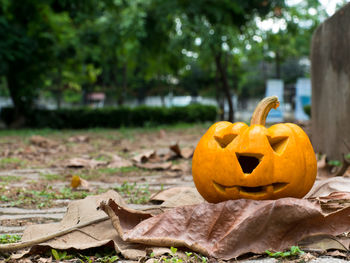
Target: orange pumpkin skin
x=234, y=160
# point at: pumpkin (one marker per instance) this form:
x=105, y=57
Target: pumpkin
x=234, y=160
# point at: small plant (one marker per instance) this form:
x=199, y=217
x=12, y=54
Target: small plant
x=135, y=194
x=60, y=255
x=293, y=252
x=5, y=239
x=173, y=257
x=334, y=163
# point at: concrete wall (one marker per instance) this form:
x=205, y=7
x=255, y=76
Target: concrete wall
x=330, y=72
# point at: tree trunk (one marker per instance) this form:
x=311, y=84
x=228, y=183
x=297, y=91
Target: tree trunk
x=222, y=69
x=124, y=85
x=218, y=94
x=278, y=65
x=21, y=104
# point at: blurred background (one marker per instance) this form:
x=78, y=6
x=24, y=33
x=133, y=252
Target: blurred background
x=98, y=60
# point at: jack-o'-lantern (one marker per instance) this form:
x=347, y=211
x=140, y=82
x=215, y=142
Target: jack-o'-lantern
x=234, y=160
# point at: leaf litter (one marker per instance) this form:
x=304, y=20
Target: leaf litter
x=309, y=221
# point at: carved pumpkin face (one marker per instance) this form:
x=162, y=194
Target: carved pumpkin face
x=233, y=161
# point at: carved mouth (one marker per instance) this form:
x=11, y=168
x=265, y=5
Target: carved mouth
x=256, y=190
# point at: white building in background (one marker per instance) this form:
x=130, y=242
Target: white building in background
x=302, y=98
x=275, y=87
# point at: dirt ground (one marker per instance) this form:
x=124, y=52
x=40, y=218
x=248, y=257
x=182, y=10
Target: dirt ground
x=37, y=168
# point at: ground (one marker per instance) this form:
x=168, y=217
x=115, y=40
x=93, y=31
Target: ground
x=37, y=167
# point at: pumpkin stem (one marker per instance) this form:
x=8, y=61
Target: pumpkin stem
x=263, y=109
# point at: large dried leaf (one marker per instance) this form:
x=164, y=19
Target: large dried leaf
x=328, y=186
x=232, y=228
x=182, y=195
x=97, y=232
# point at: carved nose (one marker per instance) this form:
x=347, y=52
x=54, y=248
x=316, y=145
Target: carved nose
x=248, y=162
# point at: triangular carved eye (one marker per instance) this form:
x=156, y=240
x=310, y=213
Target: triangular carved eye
x=278, y=143
x=225, y=140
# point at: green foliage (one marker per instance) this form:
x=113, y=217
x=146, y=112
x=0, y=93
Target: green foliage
x=191, y=257
x=113, y=117
x=293, y=252
x=60, y=255
x=334, y=163
x=5, y=239
x=307, y=110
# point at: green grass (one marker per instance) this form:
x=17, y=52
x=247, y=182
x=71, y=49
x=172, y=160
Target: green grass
x=135, y=194
x=10, y=161
x=5, y=239
x=127, y=169
x=123, y=132
x=8, y=179
x=51, y=177
x=41, y=199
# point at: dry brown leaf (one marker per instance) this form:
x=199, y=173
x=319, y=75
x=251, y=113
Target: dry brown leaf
x=176, y=149
x=43, y=142
x=84, y=163
x=324, y=243
x=144, y=156
x=187, y=152
x=79, y=138
x=119, y=162
x=328, y=186
x=98, y=230
x=155, y=166
x=337, y=253
x=182, y=167
x=232, y=228
x=178, y=196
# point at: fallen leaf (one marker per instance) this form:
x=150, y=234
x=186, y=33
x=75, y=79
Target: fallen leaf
x=42, y=142
x=337, y=253
x=144, y=156
x=119, y=162
x=75, y=181
x=182, y=167
x=327, y=186
x=79, y=138
x=176, y=149
x=83, y=227
x=177, y=196
x=155, y=166
x=186, y=153
x=323, y=243
x=84, y=163
x=232, y=228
